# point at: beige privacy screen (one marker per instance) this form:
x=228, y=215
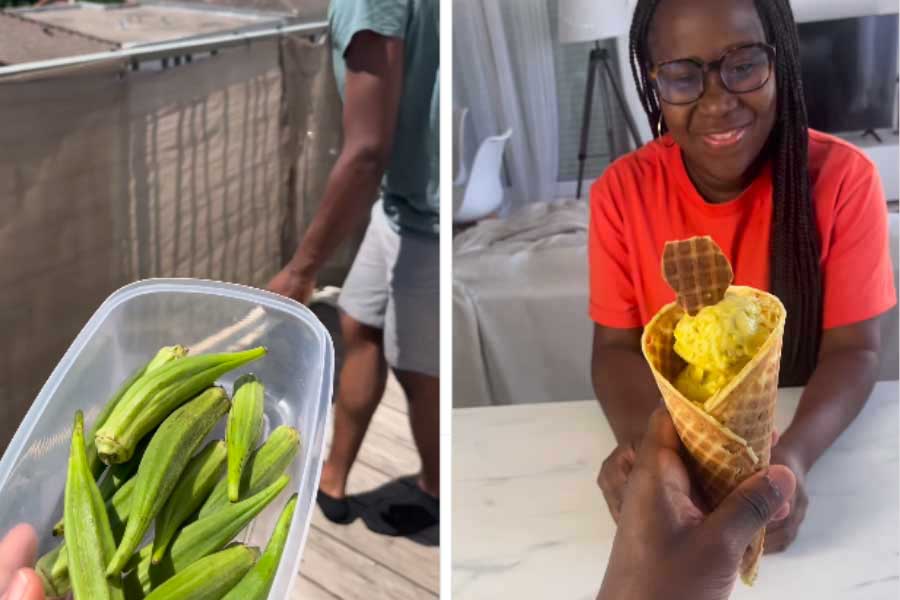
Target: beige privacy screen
x=209, y=169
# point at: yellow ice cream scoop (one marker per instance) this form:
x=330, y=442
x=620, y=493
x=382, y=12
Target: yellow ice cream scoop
x=699, y=385
x=722, y=337
x=716, y=343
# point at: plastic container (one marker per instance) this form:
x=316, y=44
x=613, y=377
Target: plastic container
x=125, y=332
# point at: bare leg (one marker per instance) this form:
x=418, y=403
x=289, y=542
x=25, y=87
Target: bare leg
x=361, y=386
x=423, y=394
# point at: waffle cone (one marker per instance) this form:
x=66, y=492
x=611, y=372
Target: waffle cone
x=730, y=437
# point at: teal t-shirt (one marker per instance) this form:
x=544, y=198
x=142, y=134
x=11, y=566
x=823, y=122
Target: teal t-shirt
x=410, y=187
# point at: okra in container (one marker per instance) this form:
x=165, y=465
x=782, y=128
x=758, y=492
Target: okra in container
x=294, y=376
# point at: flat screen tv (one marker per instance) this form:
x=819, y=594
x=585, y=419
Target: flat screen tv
x=850, y=72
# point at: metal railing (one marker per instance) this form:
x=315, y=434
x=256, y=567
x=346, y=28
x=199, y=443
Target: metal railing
x=185, y=47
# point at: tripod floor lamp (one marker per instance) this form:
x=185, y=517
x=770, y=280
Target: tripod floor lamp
x=588, y=20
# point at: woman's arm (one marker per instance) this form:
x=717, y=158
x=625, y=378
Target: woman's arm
x=837, y=391
x=623, y=382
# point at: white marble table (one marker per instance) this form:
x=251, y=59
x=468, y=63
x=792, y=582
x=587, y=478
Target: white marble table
x=530, y=522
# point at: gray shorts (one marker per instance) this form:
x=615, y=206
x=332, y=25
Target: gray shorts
x=393, y=285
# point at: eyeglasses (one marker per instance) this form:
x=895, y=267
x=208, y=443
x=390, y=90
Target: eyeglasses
x=741, y=70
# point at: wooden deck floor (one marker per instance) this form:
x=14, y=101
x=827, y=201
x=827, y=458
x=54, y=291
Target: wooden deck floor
x=351, y=562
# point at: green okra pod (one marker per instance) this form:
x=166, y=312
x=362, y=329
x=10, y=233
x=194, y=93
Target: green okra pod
x=89, y=539
x=199, y=539
x=153, y=398
x=117, y=476
x=59, y=568
x=245, y=420
x=45, y=563
x=49, y=560
x=164, y=356
x=198, y=480
x=117, y=509
x=256, y=583
x=164, y=461
x=54, y=586
x=264, y=466
x=210, y=577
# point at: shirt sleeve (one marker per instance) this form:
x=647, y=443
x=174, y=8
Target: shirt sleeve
x=858, y=272
x=349, y=17
x=613, y=301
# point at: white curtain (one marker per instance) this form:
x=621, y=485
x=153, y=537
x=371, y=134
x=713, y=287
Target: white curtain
x=503, y=72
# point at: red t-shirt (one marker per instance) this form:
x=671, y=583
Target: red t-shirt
x=646, y=198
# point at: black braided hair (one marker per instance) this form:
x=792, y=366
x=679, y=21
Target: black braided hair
x=796, y=277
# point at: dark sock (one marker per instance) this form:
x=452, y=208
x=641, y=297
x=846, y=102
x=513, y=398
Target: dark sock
x=336, y=510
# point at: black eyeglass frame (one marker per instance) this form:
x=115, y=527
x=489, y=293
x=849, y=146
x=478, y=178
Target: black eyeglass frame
x=715, y=64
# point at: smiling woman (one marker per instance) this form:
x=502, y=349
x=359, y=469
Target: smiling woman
x=724, y=127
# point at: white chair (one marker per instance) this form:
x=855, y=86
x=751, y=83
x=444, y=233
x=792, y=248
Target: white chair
x=482, y=193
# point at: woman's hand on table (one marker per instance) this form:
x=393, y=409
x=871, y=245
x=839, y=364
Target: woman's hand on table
x=665, y=545
x=614, y=475
x=780, y=535
x=18, y=551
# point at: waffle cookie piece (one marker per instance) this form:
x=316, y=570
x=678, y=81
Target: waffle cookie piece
x=698, y=271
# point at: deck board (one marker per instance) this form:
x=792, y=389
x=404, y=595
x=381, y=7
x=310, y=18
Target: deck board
x=347, y=562
x=394, y=424
x=386, y=455
x=350, y=575
x=310, y=590
x=393, y=395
